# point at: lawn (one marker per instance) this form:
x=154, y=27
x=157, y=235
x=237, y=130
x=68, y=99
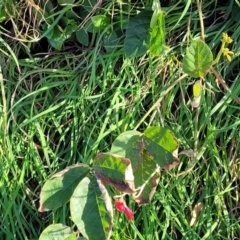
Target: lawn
x=75, y=74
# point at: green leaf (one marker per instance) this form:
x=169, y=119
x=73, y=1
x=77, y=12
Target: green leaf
x=59, y=188
x=88, y=5
x=160, y=155
x=163, y=137
x=120, y=144
x=82, y=37
x=167, y=141
x=58, y=232
x=157, y=36
x=100, y=22
x=56, y=39
x=3, y=14
x=114, y=170
x=145, y=170
x=89, y=27
x=198, y=59
x=110, y=41
x=137, y=35
x=91, y=209
x=50, y=33
x=69, y=29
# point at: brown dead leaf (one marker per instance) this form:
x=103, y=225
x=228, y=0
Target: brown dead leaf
x=172, y=165
x=189, y=153
x=196, y=102
x=195, y=213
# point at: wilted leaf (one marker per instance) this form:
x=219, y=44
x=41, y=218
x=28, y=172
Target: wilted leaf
x=91, y=209
x=195, y=213
x=198, y=59
x=58, y=232
x=189, y=153
x=114, y=170
x=143, y=167
x=59, y=188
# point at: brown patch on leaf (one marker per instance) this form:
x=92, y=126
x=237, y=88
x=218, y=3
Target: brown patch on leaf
x=176, y=161
x=122, y=186
x=154, y=183
x=108, y=204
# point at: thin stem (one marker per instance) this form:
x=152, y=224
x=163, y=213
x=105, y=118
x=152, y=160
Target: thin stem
x=4, y=110
x=224, y=85
x=201, y=19
x=219, y=53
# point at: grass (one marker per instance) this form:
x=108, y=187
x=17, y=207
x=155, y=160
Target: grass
x=64, y=107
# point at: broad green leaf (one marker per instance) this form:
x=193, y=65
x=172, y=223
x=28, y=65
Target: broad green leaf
x=71, y=15
x=100, y=22
x=82, y=37
x=198, y=59
x=157, y=36
x=57, y=44
x=162, y=136
x=69, y=29
x=110, y=41
x=59, y=188
x=88, y=5
x=160, y=155
x=91, y=209
x=58, y=232
x=120, y=144
x=137, y=35
x=89, y=27
x=114, y=170
x=166, y=140
x=45, y=28
x=56, y=40
x=143, y=169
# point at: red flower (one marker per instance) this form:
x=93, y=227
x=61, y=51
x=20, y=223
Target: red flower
x=121, y=207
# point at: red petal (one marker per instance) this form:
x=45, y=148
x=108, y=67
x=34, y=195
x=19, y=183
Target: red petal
x=119, y=205
x=129, y=213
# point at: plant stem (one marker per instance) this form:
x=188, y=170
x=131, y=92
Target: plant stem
x=224, y=85
x=4, y=109
x=201, y=19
